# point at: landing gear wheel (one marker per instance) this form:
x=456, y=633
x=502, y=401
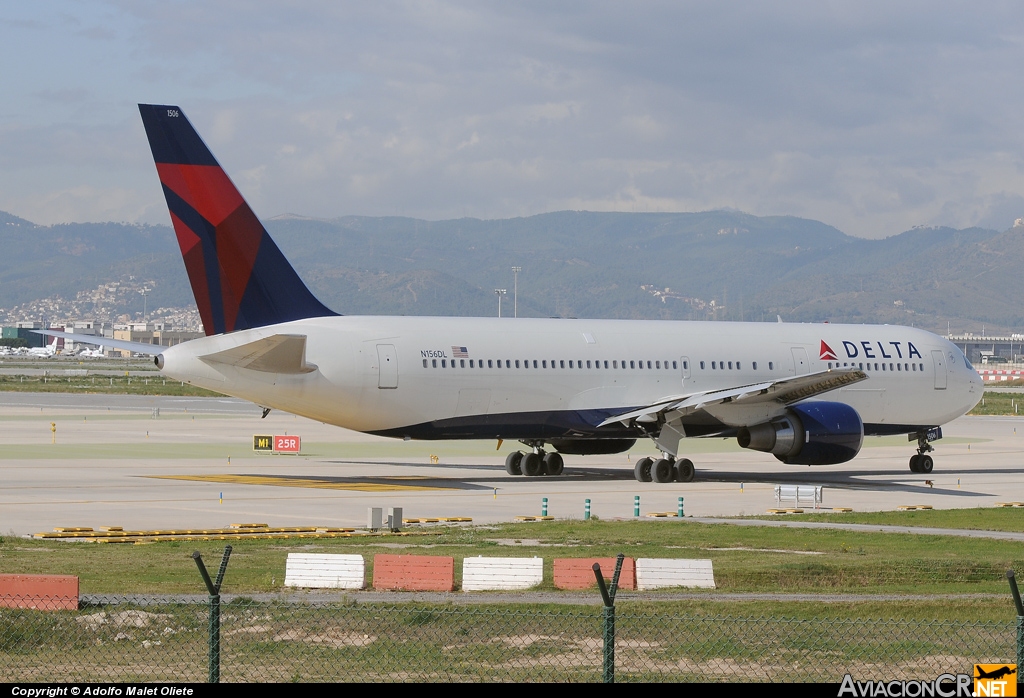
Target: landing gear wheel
x=642, y=470
x=554, y=464
x=925, y=464
x=512, y=463
x=684, y=470
x=661, y=470
x=915, y=461
x=532, y=465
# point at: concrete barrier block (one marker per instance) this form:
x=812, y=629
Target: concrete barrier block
x=322, y=571
x=657, y=573
x=414, y=572
x=43, y=592
x=578, y=572
x=488, y=573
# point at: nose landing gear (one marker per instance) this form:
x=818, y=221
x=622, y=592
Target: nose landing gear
x=921, y=462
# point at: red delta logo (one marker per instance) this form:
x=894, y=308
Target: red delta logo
x=826, y=353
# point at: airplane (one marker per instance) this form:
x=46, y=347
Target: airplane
x=92, y=353
x=47, y=351
x=806, y=393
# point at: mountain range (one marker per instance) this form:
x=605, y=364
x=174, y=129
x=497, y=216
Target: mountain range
x=722, y=265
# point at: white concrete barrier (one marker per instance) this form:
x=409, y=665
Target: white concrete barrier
x=324, y=571
x=655, y=573
x=487, y=573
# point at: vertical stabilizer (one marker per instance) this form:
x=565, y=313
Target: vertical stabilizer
x=239, y=277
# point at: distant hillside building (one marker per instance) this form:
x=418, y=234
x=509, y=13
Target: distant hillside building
x=157, y=333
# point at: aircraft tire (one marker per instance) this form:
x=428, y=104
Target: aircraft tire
x=684, y=470
x=661, y=470
x=642, y=470
x=513, y=463
x=532, y=465
x=553, y=464
x=925, y=464
x=914, y=461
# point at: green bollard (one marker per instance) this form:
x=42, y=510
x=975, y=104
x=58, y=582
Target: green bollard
x=636, y=505
x=586, y=509
x=679, y=511
x=544, y=506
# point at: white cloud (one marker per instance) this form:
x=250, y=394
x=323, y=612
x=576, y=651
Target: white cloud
x=872, y=117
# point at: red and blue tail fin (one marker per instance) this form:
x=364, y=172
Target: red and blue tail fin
x=239, y=277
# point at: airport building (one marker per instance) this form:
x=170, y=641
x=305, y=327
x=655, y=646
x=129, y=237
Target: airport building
x=984, y=350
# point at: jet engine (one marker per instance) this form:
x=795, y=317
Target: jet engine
x=811, y=433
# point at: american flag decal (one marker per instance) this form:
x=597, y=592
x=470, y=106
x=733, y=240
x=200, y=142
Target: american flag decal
x=460, y=352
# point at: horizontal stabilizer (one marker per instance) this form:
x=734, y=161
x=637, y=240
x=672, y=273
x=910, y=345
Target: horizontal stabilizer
x=279, y=353
x=134, y=347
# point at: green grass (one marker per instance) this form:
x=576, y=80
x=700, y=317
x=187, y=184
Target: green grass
x=103, y=384
x=746, y=559
x=989, y=519
x=1000, y=403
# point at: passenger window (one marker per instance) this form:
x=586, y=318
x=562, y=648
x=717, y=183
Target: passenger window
x=755, y=365
x=771, y=365
x=615, y=364
x=738, y=366
x=517, y=363
x=508, y=363
x=588, y=364
x=562, y=363
x=490, y=363
x=701, y=365
x=444, y=364
x=632, y=364
x=424, y=363
x=462, y=363
x=434, y=362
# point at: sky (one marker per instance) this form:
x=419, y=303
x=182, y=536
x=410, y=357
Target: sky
x=873, y=117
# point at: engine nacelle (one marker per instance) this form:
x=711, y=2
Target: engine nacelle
x=811, y=433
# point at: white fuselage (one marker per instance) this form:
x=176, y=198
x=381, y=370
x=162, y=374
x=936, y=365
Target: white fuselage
x=429, y=377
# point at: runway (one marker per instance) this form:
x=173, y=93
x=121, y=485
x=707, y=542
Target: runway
x=117, y=462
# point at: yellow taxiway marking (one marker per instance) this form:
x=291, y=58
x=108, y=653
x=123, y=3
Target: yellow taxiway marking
x=310, y=483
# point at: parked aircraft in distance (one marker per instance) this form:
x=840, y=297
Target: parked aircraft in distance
x=45, y=352
x=806, y=393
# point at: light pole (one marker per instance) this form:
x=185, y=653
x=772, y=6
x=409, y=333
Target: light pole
x=144, y=291
x=500, y=292
x=515, y=291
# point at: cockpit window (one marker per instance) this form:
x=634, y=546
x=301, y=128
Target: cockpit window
x=964, y=357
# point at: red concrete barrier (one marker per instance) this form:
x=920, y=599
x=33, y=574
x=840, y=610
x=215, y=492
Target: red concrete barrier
x=43, y=592
x=578, y=572
x=414, y=572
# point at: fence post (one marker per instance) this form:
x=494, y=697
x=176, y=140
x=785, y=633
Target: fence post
x=1020, y=617
x=214, y=628
x=608, y=596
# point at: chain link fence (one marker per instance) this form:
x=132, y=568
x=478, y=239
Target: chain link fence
x=129, y=639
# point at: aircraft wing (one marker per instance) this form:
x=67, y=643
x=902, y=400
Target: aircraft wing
x=743, y=405
x=136, y=347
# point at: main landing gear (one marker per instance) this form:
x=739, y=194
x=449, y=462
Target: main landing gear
x=535, y=463
x=921, y=462
x=666, y=469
